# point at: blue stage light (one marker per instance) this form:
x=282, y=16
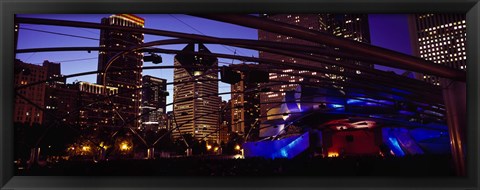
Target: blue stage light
x=396, y=147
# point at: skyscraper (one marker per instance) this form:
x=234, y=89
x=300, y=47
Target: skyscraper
x=350, y=26
x=440, y=38
x=128, y=74
x=60, y=99
x=154, y=101
x=245, y=107
x=92, y=111
x=225, y=121
x=196, y=102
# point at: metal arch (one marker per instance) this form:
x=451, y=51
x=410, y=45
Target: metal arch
x=385, y=81
x=388, y=56
x=384, y=56
x=250, y=44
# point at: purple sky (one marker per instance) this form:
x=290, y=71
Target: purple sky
x=388, y=31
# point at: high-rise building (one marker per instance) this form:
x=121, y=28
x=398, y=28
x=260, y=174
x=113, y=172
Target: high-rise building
x=350, y=26
x=440, y=38
x=61, y=104
x=154, y=101
x=225, y=121
x=245, y=107
x=93, y=112
x=60, y=98
x=195, y=96
x=127, y=73
x=26, y=112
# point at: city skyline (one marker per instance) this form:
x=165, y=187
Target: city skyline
x=331, y=101
x=71, y=62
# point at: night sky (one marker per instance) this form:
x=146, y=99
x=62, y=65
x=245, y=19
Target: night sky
x=388, y=31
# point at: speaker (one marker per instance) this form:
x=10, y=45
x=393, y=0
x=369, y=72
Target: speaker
x=255, y=76
x=229, y=76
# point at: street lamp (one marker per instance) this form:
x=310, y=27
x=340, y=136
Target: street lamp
x=125, y=146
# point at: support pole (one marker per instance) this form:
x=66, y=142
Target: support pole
x=454, y=95
x=34, y=156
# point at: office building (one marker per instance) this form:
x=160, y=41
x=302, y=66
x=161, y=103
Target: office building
x=225, y=121
x=154, y=102
x=196, y=101
x=126, y=73
x=93, y=110
x=350, y=26
x=61, y=104
x=440, y=38
x=60, y=98
x=25, y=111
x=245, y=107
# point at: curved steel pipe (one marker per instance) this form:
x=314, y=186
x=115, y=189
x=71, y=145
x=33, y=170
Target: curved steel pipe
x=390, y=58
x=387, y=57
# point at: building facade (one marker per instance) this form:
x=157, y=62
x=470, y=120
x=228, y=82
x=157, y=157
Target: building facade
x=126, y=72
x=196, y=101
x=93, y=111
x=225, y=121
x=350, y=26
x=440, y=38
x=59, y=99
x=154, y=102
x=245, y=108
x=25, y=112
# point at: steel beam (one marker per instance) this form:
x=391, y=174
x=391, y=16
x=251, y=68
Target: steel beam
x=388, y=57
x=454, y=94
x=383, y=56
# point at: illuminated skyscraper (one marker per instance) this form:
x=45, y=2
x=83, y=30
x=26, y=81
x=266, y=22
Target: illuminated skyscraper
x=154, y=101
x=350, y=26
x=225, y=121
x=129, y=75
x=91, y=112
x=245, y=107
x=60, y=100
x=196, y=101
x=440, y=38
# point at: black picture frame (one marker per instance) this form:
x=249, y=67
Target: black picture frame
x=10, y=7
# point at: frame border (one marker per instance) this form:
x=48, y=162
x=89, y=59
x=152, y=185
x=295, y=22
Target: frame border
x=10, y=7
